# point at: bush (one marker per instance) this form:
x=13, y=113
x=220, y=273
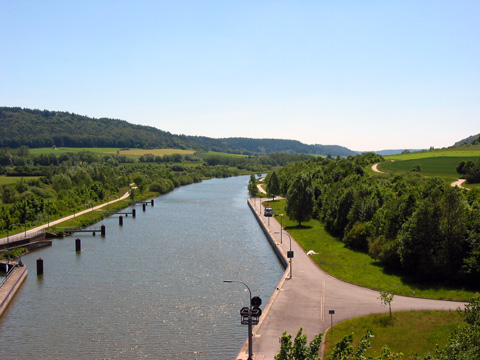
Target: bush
x=356, y=238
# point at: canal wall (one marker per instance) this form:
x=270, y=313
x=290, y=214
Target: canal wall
x=278, y=250
x=10, y=286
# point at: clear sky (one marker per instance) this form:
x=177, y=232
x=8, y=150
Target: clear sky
x=368, y=75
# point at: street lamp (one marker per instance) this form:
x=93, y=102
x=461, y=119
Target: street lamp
x=281, y=227
x=289, y=253
x=251, y=313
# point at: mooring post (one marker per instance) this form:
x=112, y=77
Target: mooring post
x=102, y=230
x=144, y=206
x=78, y=245
x=152, y=202
x=134, y=213
x=39, y=266
x=120, y=220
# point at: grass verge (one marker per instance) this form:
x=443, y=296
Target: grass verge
x=409, y=332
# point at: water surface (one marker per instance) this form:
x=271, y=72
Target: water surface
x=152, y=288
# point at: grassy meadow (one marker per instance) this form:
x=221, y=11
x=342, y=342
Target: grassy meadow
x=443, y=166
x=5, y=180
x=409, y=332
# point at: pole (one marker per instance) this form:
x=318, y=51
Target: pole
x=281, y=228
x=290, y=253
x=8, y=247
x=250, y=336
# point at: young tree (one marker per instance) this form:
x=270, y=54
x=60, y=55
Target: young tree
x=273, y=185
x=299, y=350
x=300, y=200
x=252, y=186
x=386, y=299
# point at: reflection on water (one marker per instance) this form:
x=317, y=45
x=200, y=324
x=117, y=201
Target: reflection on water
x=151, y=289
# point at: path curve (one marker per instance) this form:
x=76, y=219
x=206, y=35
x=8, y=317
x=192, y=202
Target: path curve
x=459, y=183
x=375, y=168
x=306, y=299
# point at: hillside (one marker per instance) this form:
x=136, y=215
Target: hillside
x=43, y=128
x=471, y=140
x=268, y=146
x=36, y=128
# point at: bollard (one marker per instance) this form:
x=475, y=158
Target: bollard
x=144, y=206
x=39, y=266
x=134, y=213
x=120, y=220
x=152, y=202
x=78, y=245
x=102, y=229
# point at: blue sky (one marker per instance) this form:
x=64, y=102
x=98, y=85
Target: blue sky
x=368, y=75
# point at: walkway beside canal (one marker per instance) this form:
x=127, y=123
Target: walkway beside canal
x=306, y=299
x=10, y=285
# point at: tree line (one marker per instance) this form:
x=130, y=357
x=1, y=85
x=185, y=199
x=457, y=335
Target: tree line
x=418, y=227
x=70, y=182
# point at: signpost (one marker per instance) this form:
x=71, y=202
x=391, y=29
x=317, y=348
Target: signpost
x=249, y=316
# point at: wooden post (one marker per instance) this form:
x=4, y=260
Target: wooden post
x=78, y=245
x=39, y=266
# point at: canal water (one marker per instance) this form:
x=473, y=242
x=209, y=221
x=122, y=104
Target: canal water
x=150, y=289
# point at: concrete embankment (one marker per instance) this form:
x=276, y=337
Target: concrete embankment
x=11, y=285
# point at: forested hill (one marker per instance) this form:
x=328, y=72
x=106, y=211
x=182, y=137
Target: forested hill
x=268, y=146
x=471, y=140
x=43, y=128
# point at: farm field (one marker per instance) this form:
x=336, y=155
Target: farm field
x=5, y=180
x=444, y=166
x=62, y=150
x=464, y=151
x=133, y=152
x=155, y=152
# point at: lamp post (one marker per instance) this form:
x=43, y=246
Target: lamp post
x=281, y=228
x=250, y=337
x=289, y=253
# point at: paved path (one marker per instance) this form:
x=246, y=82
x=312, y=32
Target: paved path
x=306, y=298
x=32, y=232
x=459, y=183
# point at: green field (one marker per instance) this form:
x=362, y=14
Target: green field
x=62, y=150
x=128, y=152
x=408, y=332
x=5, y=180
x=444, y=166
x=464, y=151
